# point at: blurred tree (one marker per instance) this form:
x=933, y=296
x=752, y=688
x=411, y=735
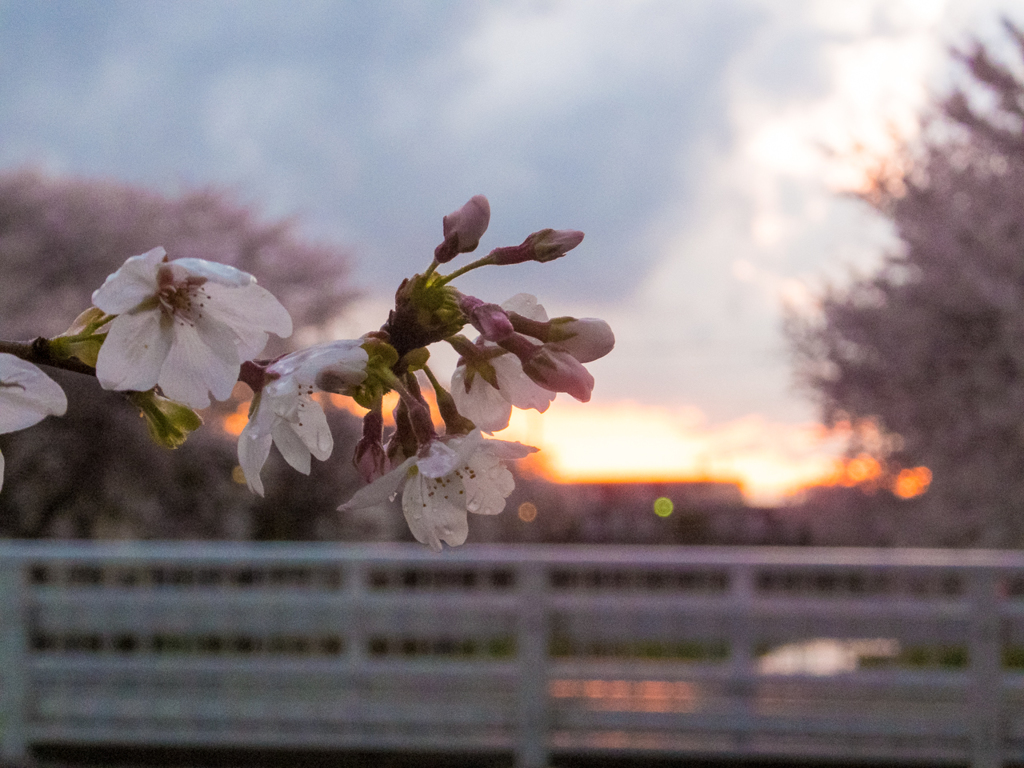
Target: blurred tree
x=61, y=237
x=839, y=516
x=925, y=359
x=95, y=472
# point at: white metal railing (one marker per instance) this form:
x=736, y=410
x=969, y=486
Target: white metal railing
x=521, y=649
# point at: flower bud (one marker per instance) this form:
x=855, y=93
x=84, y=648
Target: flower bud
x=545, y=245
x=402, y=444
x=490, y=319
x=463, y=229
x=557, y=370
x=369, y=458
x=83, y=339
x=417, y=409
x=454, y=422
x=551, y=367
x=586, y=339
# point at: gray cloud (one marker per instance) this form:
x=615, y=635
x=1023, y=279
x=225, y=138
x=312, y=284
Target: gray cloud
x=372, y=121
x=630, y=121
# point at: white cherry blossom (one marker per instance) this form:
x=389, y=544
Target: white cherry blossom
x=27, y=396
x=185, y=325
x=489, y=408
x=285, y=413
x=447, y=479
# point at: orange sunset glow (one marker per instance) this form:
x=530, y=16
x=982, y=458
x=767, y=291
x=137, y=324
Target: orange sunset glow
x=628, y=442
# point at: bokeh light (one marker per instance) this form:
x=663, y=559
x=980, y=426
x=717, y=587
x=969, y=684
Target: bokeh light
x=912, y=482
x=663, y=506
x=527, y=512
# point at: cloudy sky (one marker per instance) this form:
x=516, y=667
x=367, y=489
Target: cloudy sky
x=700, y=144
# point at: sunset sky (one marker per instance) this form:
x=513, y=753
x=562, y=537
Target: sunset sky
x=701, y=145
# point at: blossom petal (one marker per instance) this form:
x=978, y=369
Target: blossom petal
x=222, y=274
x=435, y=509
x=484, y=405
x=334, y=366
x=253, y=449
x=300, y=428
x=518, y=388
x=130, y=285
x=202, y=359
x=291, y=446
x=286, y=415
x=525, y=304
x=27, y=395
x=381, y=490
x=488, y=484
x=508, y=450
x=306, y=363
x=313, y=430
x=136, y=346
x=250, y=312
x=439, y=460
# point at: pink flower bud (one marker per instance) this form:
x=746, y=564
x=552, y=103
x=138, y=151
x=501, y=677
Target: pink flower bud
x=557, y=370
x=463, y=229
x=542, y=246
x=370, y=458
x=490, y=319
x=586, y=339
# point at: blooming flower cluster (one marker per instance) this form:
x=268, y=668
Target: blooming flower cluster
x=172, y=333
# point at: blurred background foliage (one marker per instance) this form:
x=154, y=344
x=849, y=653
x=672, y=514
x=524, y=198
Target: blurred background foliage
x=924, y=360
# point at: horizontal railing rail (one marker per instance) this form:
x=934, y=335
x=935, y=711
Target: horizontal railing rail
x=847, y=654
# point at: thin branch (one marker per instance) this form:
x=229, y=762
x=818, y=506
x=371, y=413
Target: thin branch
x=38, y=351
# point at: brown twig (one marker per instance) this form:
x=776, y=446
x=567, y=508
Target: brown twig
x=38, y=351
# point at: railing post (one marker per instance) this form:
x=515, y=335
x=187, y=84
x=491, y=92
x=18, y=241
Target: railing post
x=742, y=653
x=355, y=637
x=532, y=650
x=985, y=654
x=13, y=672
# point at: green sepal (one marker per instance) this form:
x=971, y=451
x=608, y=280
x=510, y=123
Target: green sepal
x=426, y=311
x=81, y=340
x=415, y=360
x=381, y=358
x=169, y=422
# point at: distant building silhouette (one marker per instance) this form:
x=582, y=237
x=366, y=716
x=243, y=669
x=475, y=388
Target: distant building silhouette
x=616, y=513
x=701, y=512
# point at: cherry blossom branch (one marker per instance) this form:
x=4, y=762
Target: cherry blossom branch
x=172, y=334
x=40, y=352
